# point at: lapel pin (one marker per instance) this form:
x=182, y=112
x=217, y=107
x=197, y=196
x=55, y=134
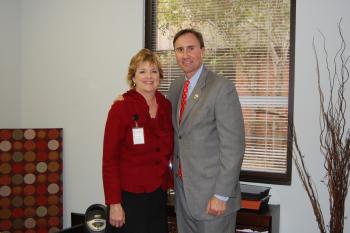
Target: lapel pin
x=196, y=96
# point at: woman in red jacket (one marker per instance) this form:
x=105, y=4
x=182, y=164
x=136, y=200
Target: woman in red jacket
x=138, y=144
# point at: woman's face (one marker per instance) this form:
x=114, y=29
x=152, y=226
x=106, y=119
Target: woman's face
x=146, y=78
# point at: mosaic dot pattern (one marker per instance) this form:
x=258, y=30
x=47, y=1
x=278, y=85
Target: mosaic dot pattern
x=30, y=180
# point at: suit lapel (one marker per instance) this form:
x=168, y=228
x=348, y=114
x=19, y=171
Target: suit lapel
x=177, y=109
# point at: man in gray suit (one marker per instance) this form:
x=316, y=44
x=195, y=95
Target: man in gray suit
x=209, y=142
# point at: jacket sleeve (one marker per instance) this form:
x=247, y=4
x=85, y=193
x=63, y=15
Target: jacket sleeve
x=113, y=137
x=230, y=127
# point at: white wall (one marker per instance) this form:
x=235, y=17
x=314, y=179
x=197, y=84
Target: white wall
x=73, y=61
x=74, y=58
x=10, y=85
x=311, y=16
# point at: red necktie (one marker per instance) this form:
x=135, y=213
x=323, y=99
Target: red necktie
x=182, y=108
x=183, y=99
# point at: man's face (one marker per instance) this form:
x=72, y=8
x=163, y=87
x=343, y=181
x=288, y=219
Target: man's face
x=189, y=54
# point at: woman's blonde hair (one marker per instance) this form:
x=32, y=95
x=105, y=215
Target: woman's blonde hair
x=144, y=55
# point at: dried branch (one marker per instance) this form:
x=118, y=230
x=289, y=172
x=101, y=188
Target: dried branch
x=334, y=141
x=308, y=184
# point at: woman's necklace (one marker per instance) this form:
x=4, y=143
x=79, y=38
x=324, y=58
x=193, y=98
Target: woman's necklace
x=152, y=104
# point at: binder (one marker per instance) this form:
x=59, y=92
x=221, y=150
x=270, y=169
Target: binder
x=254, y=192
x=255, y=204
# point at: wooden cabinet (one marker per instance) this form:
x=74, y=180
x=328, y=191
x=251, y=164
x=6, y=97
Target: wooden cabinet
x=267, y=219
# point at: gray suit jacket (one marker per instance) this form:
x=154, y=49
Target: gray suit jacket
x=210, y=142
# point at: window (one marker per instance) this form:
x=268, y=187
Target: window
x=252, y=44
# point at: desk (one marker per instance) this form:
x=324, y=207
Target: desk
x=267, y=219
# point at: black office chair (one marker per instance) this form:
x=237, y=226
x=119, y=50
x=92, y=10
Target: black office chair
x=95, y=221
x=96, y=218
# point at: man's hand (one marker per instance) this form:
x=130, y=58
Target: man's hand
x=116, y=215
x=216, y=207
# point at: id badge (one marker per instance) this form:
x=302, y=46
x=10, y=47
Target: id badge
x=138, y=136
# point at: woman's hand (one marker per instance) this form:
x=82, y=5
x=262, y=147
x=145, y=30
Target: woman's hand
x=116, y=215
x=119, y=98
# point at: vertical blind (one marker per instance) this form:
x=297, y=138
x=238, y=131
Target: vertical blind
x=247, y=42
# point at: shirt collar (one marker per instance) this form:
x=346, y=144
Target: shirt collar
x=194, y=80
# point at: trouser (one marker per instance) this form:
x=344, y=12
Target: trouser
x=187, y=224
x=144, y=213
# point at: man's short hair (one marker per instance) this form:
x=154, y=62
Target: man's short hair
x=197, y=34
